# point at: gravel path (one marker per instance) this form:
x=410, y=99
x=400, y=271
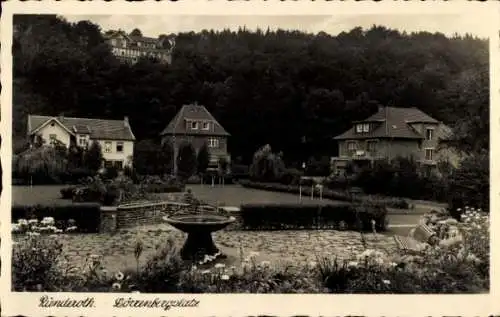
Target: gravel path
x=292, y=247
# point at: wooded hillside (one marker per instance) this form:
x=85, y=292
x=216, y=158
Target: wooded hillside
x=290, y=89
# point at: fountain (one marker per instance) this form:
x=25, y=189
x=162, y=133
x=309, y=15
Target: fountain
x=199, y=228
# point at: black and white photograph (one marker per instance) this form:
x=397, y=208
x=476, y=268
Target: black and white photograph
x=263, y=154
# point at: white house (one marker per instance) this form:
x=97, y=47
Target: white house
x=114, y=136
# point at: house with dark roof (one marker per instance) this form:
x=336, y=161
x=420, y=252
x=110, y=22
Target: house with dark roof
x=194, y=124
x=130, y=48
x=394, y=132
x=115, y=136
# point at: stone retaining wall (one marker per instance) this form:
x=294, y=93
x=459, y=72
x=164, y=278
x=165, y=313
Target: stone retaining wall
x=125, y=216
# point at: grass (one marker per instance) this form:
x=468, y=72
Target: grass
x=229, y=195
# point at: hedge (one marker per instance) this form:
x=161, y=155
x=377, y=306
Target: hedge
x=86, y=215
x=162, y=188
x=327, y=193
x=300, y=216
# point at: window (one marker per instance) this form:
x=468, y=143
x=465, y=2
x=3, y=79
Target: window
x=108, y=164
x=428, y=134
x=363, y=128
x=205, y=125
x=366, y=127
x=429, y=154
x=52, y=138
x=82, y=141
x=213, y=142
x=351, y=146
x=118, y=164
x=119, y=147
x=194, y=125
x=359, y=128
x=371, y=146
x=107, y=147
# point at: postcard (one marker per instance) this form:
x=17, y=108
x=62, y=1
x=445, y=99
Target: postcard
x=249, y=158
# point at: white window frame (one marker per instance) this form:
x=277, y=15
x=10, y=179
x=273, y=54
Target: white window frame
x=206, y=126
x=107, y=149
x=82, y=141
x=427, y=130
x=194, y=125
x=355, y=145
x=366, y=127
x=118, y=144
x=359, y=128
x=213, y=142
x=431, y=151
x=52, y=138
x=374, y=142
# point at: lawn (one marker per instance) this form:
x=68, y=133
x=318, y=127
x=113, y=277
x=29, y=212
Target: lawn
x=230, y=195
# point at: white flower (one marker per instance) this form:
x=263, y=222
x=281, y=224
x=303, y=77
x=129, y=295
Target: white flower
x=312, y=264
x=32, y=221
x=116, y=286
x=119, y=276
x=219, y=265
x=224, y=277
x=15, y=227
x=386, y=282
x=33, y=234
x=22, y=221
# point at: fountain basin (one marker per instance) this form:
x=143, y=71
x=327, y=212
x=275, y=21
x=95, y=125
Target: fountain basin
x=199, y=228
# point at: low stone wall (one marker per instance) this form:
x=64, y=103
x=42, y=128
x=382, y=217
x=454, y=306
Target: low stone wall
x=130, y=215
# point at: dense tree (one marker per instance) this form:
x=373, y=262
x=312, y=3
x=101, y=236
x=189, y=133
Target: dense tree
x=203, y=159
x=186, y=160
x=153, y=158
x=136, y=32
x=290, y=89
x=93, y=157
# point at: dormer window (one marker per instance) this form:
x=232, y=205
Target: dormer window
x=362, y=128
x=206, y=125
x=194, y=125
x=429, y=134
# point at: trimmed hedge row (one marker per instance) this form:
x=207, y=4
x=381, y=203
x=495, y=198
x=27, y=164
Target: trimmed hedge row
x=327, y=193
x=299, y=216
x=86, y=215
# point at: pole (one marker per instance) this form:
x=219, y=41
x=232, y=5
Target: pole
x=312, y=192
x=300, y=192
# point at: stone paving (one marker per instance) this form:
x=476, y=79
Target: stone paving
x=293, y=247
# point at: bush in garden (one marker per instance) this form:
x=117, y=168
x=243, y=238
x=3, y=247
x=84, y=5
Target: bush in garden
x=470, y=184
x=162, y=272
x=36, y=264
x=291, y=176
x=93, y=157
x=266, y=165
x=68, y=192
x=186, y=160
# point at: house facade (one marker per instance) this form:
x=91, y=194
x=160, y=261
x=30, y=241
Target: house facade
x=394, y=132
x=130, y=48
x=194, y=124
x=114, y=136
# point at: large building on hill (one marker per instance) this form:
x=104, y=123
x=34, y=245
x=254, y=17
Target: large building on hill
x=194, y=124
x=394, y=132
x=114, y=136
x=130, y=48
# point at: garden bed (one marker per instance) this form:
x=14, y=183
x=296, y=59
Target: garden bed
x=398, y=203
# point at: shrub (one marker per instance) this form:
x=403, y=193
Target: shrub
x=35, y=264
x=291, y=176
x=266, y=165
x=86, y=215
x=68, y=192
x=299, y=216
x=162, y=271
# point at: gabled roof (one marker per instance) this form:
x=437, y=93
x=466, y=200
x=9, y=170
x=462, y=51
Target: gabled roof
x=96, y=128
x=193, y=112
x=391, y=122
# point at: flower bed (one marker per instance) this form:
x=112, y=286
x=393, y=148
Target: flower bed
x=450, y=266
x=85, y=215
x=298, y=216
x=327, y=193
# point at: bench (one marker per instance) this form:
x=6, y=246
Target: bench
x=415, y=242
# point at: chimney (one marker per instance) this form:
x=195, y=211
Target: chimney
x=61, y=117
x=125, y=122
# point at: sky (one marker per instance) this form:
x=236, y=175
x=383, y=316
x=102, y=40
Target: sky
x=154, y=25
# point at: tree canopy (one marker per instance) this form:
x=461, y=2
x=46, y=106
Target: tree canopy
x=290, y=89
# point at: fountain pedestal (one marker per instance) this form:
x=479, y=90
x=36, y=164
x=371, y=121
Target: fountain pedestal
x=199, y=228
